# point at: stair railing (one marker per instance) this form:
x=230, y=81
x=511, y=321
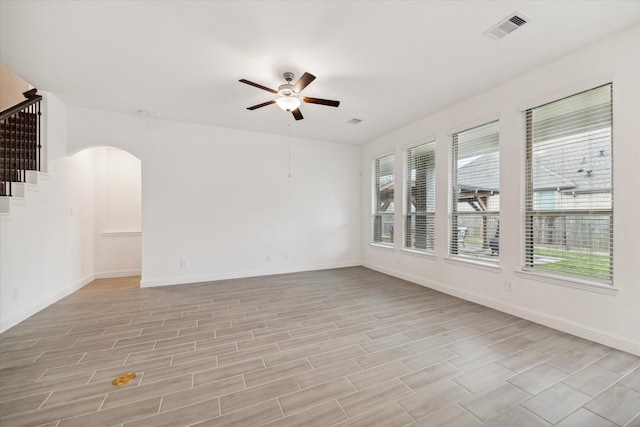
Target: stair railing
x=20, y=141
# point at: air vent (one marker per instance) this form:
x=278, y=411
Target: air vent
x=508, y=25
x=354, y=121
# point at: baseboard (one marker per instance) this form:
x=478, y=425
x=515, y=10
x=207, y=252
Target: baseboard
x=564, y=325
x=14, y=320
x=117, y=273
x=181, y=280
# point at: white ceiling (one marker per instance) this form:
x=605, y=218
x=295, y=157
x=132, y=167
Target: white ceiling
x=389, y=62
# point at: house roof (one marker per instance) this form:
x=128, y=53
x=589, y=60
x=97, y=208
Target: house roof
x=481, y=174
x=588, y=167
x=582, y=170
x=389, y=62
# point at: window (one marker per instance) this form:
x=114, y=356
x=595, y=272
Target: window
x=569, y=197
x=475, y=185
x=382, y=216
x=420, y=197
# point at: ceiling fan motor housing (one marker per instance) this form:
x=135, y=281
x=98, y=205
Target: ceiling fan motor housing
x=288, y=100
x=287, y=90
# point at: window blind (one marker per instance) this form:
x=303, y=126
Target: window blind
x=569, y=191
x=419, y=195
x=475, y=179
x=382, y=218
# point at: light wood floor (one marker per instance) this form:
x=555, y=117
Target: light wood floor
x=347, y=347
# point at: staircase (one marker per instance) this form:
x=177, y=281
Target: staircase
x=20, y=143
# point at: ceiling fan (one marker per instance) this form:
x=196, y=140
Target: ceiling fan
x=289, y=98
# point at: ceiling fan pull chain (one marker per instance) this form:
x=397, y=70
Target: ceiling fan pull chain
x=289, y=125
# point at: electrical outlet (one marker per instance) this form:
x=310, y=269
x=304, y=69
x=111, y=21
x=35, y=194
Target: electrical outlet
x=268, y=257
x=183, y=264
x=508, y=285
x=286, y=257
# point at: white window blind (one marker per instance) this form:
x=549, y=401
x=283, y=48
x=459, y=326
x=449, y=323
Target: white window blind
x=382, y=218
x=420, y=198
x=569, y=192
x=475, y=178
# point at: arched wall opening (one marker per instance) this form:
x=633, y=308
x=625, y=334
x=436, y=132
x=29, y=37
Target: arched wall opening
x=111, y=196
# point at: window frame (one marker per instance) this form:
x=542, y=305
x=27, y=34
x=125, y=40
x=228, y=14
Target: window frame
x=429, y=213
x=381, y=217
x=455, y=240
x=529, y=213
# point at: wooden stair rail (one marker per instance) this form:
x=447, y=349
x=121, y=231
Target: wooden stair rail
x=20, y=141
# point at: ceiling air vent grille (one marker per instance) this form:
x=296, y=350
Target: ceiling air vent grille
x=354, y=121
x=508, y=25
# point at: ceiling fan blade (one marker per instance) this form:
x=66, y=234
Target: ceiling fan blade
x=264, y=104
x=297, y=114
x=328, y=102
x=257, y=85
x=303, y=82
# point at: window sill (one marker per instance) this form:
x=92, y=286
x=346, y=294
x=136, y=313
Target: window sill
x=412, y=252
x=584, y=285
x=383, y=247
x=472, y=263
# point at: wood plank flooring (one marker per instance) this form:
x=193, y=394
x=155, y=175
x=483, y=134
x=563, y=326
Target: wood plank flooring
x=344, y=347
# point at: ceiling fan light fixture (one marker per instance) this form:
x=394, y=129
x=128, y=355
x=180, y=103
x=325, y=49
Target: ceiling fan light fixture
x=288, y=103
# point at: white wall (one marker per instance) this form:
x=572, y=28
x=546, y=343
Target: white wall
x=46, y=243
x=222, y=202
x=610, y=318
